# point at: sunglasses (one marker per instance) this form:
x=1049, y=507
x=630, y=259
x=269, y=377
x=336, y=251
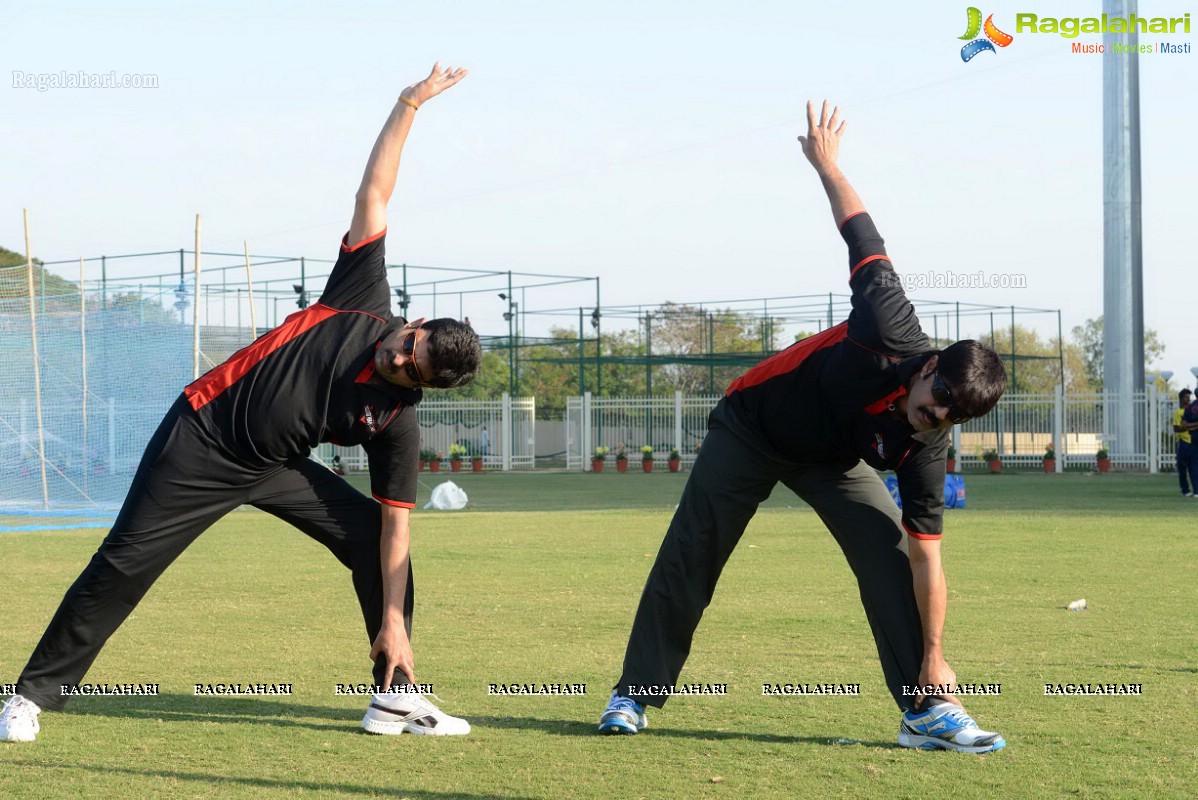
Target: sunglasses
x=408, y=347
x=944, y=397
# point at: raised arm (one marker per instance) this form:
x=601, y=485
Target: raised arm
x=821, y=146
x=378, y=182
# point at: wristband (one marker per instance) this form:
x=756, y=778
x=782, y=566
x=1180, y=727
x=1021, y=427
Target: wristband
x=409, y=103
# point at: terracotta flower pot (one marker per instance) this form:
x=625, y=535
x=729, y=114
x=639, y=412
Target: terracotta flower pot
x=596, y=466
x=950, y=465
x=647, y=465
x=622, y=466
x=455, y=464
x=434, y=465
x=1050, y=465
x=476, y=465
x=995, y=465
x=675, y=464
x=1104, y=465
x=421, y=467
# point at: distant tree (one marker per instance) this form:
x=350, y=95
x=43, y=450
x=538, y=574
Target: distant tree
x=1088, y=338
x=732, y=340
x=14, y=278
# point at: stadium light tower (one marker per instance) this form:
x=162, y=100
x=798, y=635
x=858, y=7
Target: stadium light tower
x=1123, y=281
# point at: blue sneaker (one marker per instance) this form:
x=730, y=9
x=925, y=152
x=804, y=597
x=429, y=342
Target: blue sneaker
x=623, y=716
x=945, y=726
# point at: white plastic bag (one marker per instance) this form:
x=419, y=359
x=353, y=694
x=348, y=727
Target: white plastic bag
x=447, y=497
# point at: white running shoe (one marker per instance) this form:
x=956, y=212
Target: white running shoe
x=410, y=712
x=946, y=726
x=623, y=715
x=18, y=721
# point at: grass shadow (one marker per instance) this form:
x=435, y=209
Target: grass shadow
x=561, y=727
x=191, y=708
x=389, y=790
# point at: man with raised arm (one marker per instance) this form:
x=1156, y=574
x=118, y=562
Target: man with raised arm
x=344, y=371
x=820, y=417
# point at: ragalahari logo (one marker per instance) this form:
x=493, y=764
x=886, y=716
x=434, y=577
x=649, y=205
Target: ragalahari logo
x=993, y=35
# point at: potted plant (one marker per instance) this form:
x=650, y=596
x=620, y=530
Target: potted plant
x=621, y=459
x=675, y=461
x=456, y=453
x=647, y=458
x=426, y=457
x=1050, y=459
x=434, y=463
x=476, y=460
x=598, y=458
x=950, y=463
x=1104, y=460
x=992, y=459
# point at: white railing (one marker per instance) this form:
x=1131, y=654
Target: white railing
x=663, y=423
x=503, y=431
x=1022, y=426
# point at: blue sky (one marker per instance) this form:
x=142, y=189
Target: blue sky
x=650, y=143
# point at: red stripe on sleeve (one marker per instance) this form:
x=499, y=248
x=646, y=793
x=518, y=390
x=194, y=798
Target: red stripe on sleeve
x=345, y=248
x=203, y=391
x=395, y=503
x=845, y=221
x=863, y=262
x=916, y=535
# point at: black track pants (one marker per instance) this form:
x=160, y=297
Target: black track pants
x=730, y=479
x=184, y=484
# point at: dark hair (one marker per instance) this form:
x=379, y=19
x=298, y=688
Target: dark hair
x=1183, y=393
x=454, y=350
x=975, y=375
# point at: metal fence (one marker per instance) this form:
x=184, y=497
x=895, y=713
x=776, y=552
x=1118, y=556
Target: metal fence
x=1020, y=429
x=630, y=423
x=1077, y=426
x=503, y=431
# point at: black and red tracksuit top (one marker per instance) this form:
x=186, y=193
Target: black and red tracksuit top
x=826, y=398
x=312, y=380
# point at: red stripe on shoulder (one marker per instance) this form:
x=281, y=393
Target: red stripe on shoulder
x=203, y=391
x=395, y=503
x=791, y=358
x=863, y=262
x=345, y=246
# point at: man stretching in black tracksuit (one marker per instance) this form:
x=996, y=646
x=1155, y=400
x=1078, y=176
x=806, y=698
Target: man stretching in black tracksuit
x=344, y=371
x=820, y=417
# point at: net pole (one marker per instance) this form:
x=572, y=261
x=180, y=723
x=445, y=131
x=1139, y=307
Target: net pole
x=37, y=372
x=83, y=360
x=249, y=281
x=195, y=339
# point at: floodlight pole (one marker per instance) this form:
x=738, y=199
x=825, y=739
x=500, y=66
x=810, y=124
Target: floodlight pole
x=195, y=316
x=1123, y=284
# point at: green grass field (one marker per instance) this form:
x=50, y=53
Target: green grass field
x=537, y=582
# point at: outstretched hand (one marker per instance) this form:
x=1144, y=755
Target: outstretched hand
x=437, y=81
x=821, y=145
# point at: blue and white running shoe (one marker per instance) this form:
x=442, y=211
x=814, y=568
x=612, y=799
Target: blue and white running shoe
x=945, y=726
x=623, y=716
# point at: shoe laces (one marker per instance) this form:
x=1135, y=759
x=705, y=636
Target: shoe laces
x=19, y=706
x=958, y=715
x=621, y=703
